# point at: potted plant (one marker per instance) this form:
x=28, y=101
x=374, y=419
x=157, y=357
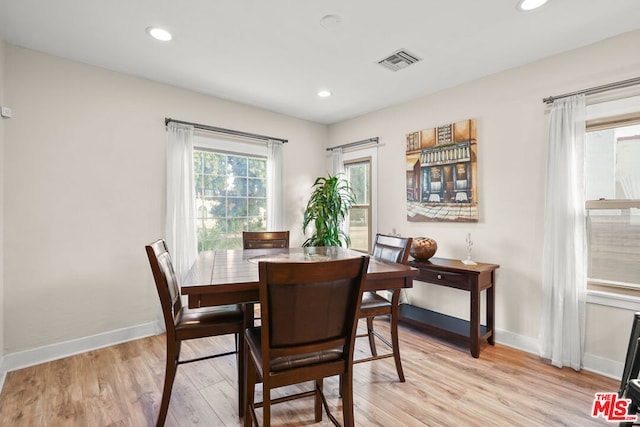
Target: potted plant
x=328, y=207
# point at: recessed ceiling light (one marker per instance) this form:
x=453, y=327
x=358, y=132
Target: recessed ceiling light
x=324, y=93
x=159, y=33
x=526, y=5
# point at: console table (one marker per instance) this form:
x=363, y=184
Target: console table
x=454, y=274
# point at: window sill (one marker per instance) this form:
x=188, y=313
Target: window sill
x=612, y=299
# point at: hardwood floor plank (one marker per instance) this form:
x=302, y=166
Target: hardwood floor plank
x=445, y=386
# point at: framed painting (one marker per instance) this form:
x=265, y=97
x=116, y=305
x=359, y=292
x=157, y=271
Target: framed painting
x=442, y=173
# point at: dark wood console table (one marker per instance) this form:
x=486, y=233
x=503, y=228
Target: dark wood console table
x=455, y=274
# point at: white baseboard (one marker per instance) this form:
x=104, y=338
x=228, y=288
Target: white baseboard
x=3, y=374
x=36, y=356
x=23, y=359
x=520, y=342
x=598, y=365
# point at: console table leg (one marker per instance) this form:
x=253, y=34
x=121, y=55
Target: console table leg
x=474, y=336
x=491, y=301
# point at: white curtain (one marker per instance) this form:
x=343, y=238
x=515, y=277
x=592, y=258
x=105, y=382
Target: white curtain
x=275, y=187
x=564, y=248
x=337, y=161
x=337, y=167
x=181, y=235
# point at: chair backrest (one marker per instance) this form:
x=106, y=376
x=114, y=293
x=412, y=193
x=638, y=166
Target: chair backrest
x=265, y=239
x=309, y=307
x=166, y=283
x=632, y=362
x=392, y=248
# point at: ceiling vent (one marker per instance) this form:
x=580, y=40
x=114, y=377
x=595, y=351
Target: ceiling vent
x=398, y=60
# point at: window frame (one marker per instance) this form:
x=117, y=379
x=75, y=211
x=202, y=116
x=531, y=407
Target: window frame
x=215, y=144
x=360, y=154
x=602, y=116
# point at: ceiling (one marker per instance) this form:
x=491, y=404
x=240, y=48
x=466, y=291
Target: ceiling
x=276, y=54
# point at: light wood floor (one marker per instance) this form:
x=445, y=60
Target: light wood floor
x=445, y=386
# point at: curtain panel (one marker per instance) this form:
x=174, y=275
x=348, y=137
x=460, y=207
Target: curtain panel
x=564, y=248
x=275, y=187
x=180, y=223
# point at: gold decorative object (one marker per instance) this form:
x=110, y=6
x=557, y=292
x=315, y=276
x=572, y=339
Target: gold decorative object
x=423, y=248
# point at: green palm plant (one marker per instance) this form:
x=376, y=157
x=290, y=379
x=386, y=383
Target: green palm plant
x=328, y=207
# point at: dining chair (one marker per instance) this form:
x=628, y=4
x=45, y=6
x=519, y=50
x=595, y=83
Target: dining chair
x=629, y=383
x=632, y=360
x=309, y=319
x=392, y=249
x=184, y=324
x=265, y=239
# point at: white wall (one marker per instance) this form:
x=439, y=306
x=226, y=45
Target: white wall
x=512, y=138
x=85, y=172
x=2, y=349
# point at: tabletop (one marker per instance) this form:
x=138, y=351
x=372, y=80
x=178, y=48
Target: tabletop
x=227, y=272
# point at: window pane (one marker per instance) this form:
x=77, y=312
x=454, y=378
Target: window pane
x=611, y=166
x=359, y=228
x=237, y=207
x=213, y=163
x=215, y=186
x=217, y=206
x=227, y=201
x=614, y=245
x=257, y=168
x=237, y=166
x=358, y=176
x=237, y=186
x=257, y=187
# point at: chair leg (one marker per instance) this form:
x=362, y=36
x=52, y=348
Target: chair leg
x=266, y=403
x=171, y=366
x=249, y=388
x=241, y=356
x=347, y=399
x=318, y=399
x=394, y=334
x=372, y=338
x=631, y=410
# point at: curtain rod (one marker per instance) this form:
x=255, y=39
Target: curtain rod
x=373, y=140
x=597, y=89
x=225, y=131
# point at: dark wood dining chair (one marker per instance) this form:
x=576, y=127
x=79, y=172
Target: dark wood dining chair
x=392, y=249
x=265, y=239
x=184, y=324
x=629, y=383
x=309, y=320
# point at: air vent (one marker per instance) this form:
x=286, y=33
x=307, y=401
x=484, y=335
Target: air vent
x=398, y=60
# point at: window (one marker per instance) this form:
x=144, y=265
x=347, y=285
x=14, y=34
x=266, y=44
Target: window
x=358, y=173
x=612, y=186
x=231, y=193
x=361, y=170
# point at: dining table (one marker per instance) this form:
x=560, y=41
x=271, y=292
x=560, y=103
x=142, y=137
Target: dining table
x=223, y=277
x=231, y=276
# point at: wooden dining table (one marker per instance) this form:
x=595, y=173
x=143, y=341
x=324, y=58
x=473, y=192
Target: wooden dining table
x=231, y=277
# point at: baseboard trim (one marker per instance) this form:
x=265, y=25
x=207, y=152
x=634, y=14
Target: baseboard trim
x=23, y=359
x=598, y=365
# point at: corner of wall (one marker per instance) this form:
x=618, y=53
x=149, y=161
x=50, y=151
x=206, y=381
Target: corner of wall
x=2, y=168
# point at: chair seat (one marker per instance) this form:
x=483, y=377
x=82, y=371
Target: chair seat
x=372, y=301
x=201, y=322
x=254, y=340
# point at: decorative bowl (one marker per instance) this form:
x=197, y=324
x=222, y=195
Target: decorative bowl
x=423, y=248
